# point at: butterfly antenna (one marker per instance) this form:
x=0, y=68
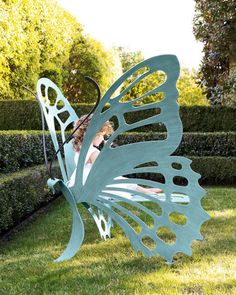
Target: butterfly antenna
x=69, y=138
x=49, y=167
x=93, y=109
x=97, y=88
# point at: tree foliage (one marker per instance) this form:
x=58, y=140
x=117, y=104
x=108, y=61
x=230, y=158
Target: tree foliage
x=35, y=37
x=189, y=92
x=215, y=26
x=88, y=57
x=128, y=58
x=40, y=39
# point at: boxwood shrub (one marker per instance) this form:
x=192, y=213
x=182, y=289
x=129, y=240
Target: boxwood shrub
x=192, y=144
x=25, y=115
x=25, y=191
x=213, y=170
x=20, y=149
x=22, y=193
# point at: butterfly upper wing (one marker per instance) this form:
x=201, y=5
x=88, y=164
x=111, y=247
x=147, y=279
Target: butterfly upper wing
x=57, y=110
x=168, y=115
x=114, y=162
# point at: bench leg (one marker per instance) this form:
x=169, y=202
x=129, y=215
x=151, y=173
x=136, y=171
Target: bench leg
x=103, y=224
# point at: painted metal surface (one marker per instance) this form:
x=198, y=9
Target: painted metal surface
x=112, y=162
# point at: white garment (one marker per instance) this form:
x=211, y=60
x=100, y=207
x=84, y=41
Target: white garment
x=87, y=168
x=130, y=186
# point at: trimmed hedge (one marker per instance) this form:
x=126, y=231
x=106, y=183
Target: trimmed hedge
x=25, y=115
x=20, y=149
x=192, y=144
x=214, y=170
x=21, y=194
x=208, y=144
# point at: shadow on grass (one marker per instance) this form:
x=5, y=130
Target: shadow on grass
x=52, y=231
x=100, y=266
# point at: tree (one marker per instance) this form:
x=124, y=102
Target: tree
x=40, y=39
x=189, y=92
x=35, y=39
x=88, y=57
x=215, y=26
x=128, y=58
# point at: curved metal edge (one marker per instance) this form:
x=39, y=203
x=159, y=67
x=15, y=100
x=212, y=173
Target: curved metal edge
x=77, y=233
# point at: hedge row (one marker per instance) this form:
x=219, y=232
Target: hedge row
x=214, y=170
x=192, y=144
x=25, y=115
x=20, y=149
x=22, y=193
x=25, y=191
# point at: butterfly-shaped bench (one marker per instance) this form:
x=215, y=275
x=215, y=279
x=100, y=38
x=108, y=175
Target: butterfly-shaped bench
x=99, y=197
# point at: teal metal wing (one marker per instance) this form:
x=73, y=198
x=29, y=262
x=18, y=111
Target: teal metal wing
x=58, y=111
x=107, y=189
x=104, y=186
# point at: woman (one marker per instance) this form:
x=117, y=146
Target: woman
x=94, y=152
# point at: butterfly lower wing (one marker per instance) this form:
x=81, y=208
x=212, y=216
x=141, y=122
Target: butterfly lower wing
x=77, y=233
x=182, y=200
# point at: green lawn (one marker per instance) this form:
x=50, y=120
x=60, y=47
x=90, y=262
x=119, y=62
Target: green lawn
x=111, y=267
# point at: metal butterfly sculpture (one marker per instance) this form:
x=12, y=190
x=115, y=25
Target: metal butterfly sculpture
x=103, y=201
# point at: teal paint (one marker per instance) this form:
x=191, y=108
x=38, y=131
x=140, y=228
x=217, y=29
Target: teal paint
x=123, y=160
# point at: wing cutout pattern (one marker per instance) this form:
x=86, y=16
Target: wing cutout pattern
x=57, y=111
x=104, y=188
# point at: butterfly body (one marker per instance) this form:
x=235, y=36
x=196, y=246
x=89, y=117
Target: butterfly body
x=104, y=187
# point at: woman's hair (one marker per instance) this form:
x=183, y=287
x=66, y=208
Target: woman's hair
x=107, y=128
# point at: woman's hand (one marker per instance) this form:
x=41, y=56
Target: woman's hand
x=148, y=190
x=154, y=190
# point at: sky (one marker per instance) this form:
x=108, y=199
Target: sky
x=153, y=26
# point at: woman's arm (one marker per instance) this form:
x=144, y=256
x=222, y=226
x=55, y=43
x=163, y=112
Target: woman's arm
x=93, y=157
x=148, y=190
x=139, y=188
